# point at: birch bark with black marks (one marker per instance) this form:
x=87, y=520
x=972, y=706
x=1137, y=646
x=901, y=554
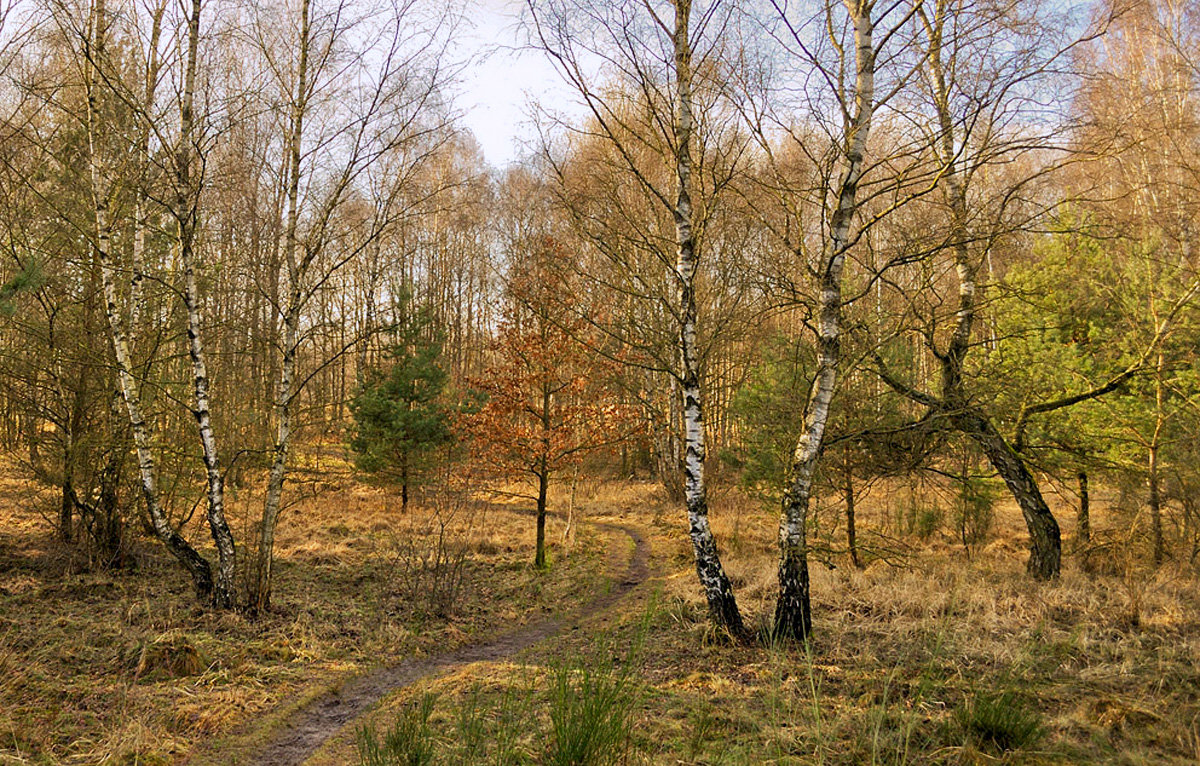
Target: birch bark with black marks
x=195, y=564
x=569, y=32
x=793, y=610
x=718, y=590
x=186, y=213
x=1045, y=553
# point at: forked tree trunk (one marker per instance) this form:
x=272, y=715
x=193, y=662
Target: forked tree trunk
x=718, y=591
x=186, y=213
x=793, y=610
x=195, y=564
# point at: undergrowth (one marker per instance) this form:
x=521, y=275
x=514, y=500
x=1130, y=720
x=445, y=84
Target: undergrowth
x=1001, y=721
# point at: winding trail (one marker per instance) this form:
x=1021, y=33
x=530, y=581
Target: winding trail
x=312, y=726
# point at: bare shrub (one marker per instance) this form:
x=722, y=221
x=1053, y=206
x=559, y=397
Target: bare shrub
x=424, y=563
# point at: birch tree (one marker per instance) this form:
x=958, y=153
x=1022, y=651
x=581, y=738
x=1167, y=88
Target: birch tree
x=983, y=64
x=652, y=49
x=103, y=188
x=185, y=209
x=821, y=188
x=793, y=612
x=381, y=121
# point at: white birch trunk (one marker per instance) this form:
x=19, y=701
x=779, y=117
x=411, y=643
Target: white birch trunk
x=722, y=606
x=186, y=213
x=291, y=330
x=793, y=611
x=197, y=567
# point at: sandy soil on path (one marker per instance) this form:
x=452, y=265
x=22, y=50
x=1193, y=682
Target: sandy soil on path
x=315, y=723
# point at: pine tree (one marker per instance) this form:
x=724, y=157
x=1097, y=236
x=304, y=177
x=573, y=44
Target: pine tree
x=398, y=408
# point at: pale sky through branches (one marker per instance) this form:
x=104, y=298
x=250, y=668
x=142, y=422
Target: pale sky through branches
x=501, y=79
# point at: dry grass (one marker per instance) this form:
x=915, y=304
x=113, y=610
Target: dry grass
x=1105, y=661
x=124, y=667
x=904, y=660
x=1108, y=661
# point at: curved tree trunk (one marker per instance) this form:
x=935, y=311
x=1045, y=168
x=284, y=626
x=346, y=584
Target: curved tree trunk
x=186, y=202
x=195, y=564
x=793, y=611
x=1045, y=541
x=1045, y=549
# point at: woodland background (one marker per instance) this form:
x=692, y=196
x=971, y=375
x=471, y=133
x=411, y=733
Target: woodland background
x=801, y=253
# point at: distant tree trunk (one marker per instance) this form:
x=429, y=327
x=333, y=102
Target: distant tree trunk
x=1156, y=528
x=66, y=512
x=718, y=590
x=111, y=536
x=570, y=527
x=543, y=477
x=1154, y=478
x=1083, y=521
x=404, y=482
x=848, y=493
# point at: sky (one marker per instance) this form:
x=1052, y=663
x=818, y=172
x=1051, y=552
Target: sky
x=501, y=79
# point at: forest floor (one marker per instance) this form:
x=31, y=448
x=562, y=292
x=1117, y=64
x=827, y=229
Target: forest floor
x=925, y=656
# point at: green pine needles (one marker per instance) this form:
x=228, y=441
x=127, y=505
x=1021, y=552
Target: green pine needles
x=398, y=409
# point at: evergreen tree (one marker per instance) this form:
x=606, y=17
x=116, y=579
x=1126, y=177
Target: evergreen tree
x=398, y=408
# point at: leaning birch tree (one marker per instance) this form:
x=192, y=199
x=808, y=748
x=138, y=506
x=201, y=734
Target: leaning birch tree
x=994, y=142
x=837, y=48
x=185, y=210
x=103, y=188
x=793, y=611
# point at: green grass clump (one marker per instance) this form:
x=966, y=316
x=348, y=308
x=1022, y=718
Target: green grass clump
x=1001, y=721
x=590, y=714
x=409, y=742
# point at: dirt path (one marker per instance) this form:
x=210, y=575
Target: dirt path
x=314, y=725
